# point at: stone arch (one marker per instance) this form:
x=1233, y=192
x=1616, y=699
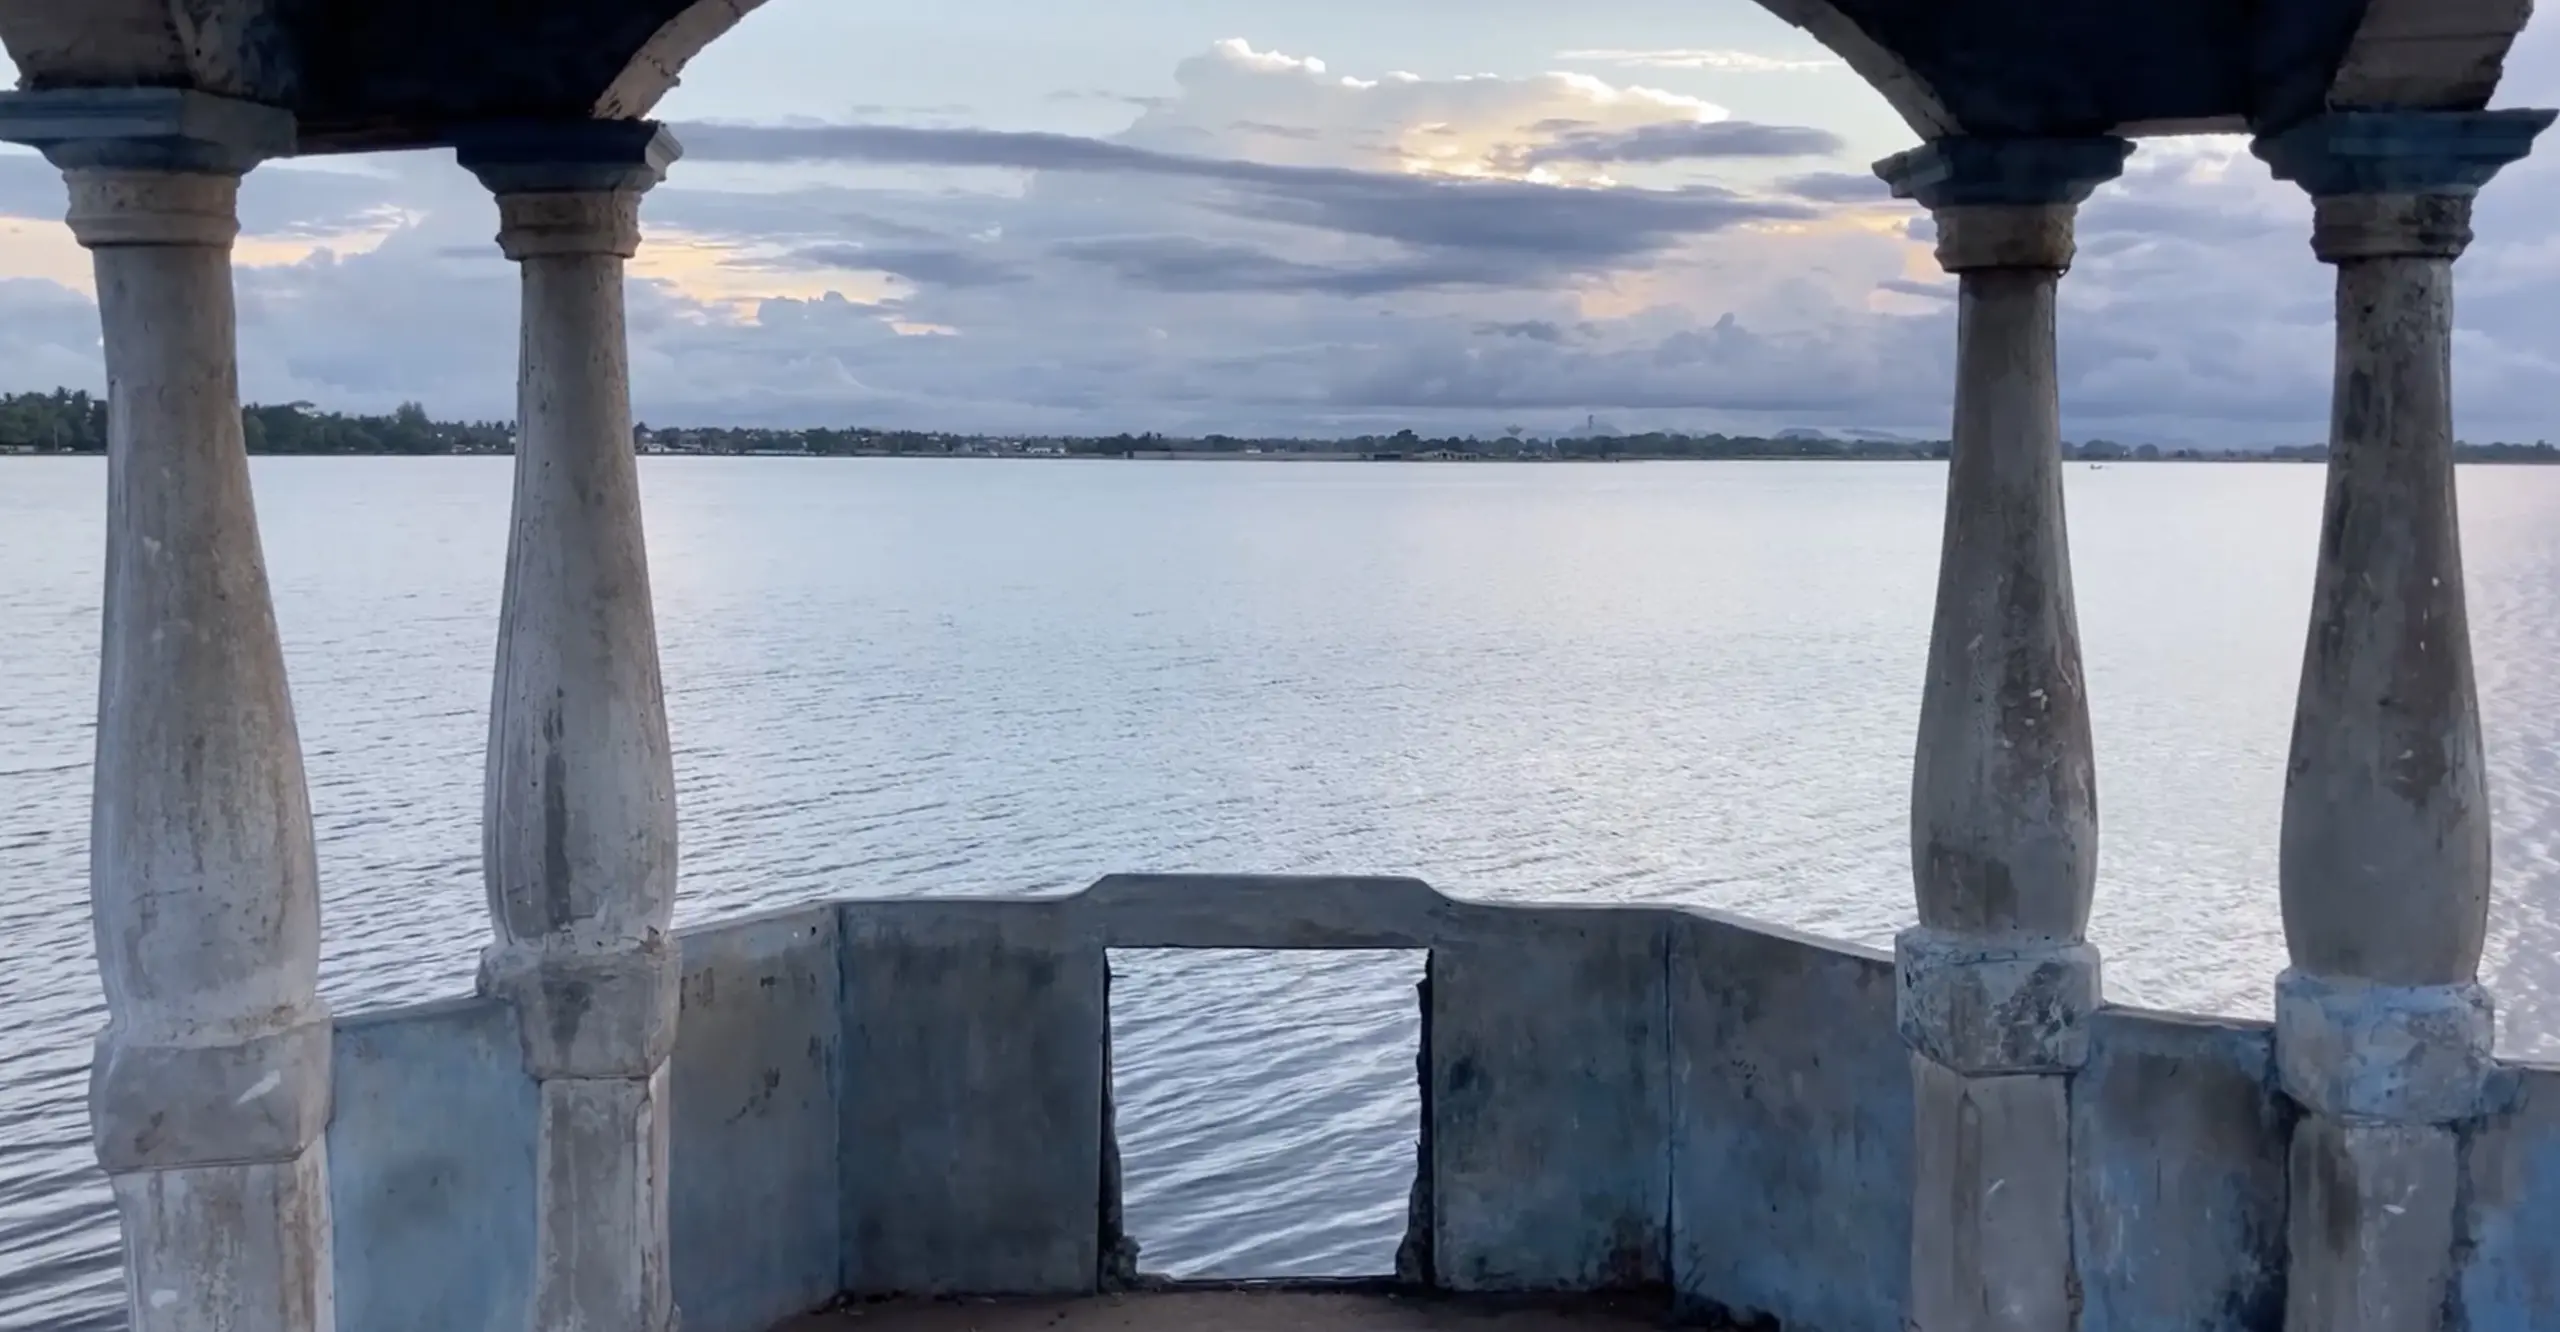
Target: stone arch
x=659, y=65
x=1910, y=96
x=2428, y=54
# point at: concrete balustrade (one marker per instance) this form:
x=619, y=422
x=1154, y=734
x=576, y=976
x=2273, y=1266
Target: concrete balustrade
x=211, y=1085
x=900, y=1096
x=2383, y=1030
x=914, y=1096
x=580, y=829
x=1997, y=983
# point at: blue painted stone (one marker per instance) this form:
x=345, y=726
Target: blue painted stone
x=1961, y=170
x=2178, y=1175
x=2507, y=1269
x=146, y=129
x=432, y=1176
x=566, y=156
x=2401, y=152
x=755, y=1195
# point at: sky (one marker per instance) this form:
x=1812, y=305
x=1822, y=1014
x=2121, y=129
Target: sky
x=1325, y=217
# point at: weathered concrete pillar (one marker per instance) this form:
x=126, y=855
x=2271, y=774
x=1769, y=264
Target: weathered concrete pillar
x=1997, y=982
x=210, y=1088
x=2382, y=1030
x=580, y=831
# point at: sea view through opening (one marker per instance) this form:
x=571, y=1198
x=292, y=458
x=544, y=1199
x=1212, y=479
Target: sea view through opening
x=1692, y=683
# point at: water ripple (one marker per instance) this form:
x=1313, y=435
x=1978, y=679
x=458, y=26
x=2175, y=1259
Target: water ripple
x=1662, y=684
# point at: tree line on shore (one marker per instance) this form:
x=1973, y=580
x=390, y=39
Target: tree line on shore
x=75, y=421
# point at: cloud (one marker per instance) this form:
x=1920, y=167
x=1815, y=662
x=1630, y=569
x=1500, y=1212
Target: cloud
x=1678, y=142
x=1731, y=62
x=1837, y=187
x=1457, y=254
x=1538, y=229
x=944, y=267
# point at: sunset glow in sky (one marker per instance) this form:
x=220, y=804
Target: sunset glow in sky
x=1322, y=217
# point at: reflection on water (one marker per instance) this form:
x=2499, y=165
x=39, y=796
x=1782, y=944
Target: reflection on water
x=1692, y=683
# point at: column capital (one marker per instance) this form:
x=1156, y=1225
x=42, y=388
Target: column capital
x=149, y=166
x=2004, y=203
x=2400, y=152
x=2397, y=183
x=568, y=187
x=174, y=130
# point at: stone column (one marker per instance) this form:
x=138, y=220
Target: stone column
x=2382, y=1030
x=1996, y=983
x=210, y=1088
x=579, y=838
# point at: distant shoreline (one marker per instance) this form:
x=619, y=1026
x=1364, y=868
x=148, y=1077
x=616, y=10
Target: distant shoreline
x=2469, y=455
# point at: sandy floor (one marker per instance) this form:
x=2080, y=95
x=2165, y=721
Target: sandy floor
x=1227, y=1311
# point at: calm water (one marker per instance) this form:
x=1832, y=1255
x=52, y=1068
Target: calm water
x=1671, y=682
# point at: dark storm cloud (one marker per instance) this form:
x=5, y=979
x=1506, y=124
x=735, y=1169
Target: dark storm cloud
x=1186, y=265
x=1535, y=330
x=1676, y=142
x=1298, y=132
x=1837, y=187
x=1546, y=229
x=925, y=264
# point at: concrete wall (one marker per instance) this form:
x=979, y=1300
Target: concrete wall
x=1550, y=1103
x=2509, y=1277
x=755, y=1216
x=2178, y=1175
x=431, y=1178
x=973, y=1044
x=1791, y=1144
x=432, y=1146
x=913, y=1096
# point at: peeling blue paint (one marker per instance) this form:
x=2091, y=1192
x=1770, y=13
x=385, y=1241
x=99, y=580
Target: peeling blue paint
x=2178, y=1175
x=1791, y=1149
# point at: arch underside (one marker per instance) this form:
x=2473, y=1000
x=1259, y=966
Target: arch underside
x=2033, y=67
x=404, y=73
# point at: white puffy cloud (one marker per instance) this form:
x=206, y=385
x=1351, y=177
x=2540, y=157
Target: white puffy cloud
x=1283, y=246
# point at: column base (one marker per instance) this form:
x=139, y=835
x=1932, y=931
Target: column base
x=2371, y=1233
x=2359, y=1051
x=1988, y=1005
x=1991, y=1247
x=219, y=1248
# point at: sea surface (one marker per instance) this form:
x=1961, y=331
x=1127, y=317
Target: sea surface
x=1685, y=682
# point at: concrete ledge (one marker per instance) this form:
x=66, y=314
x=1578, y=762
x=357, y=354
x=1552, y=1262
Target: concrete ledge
x=1263, y=911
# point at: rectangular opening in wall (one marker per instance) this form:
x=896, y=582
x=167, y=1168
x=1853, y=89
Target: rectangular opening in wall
x=1268, y=1109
